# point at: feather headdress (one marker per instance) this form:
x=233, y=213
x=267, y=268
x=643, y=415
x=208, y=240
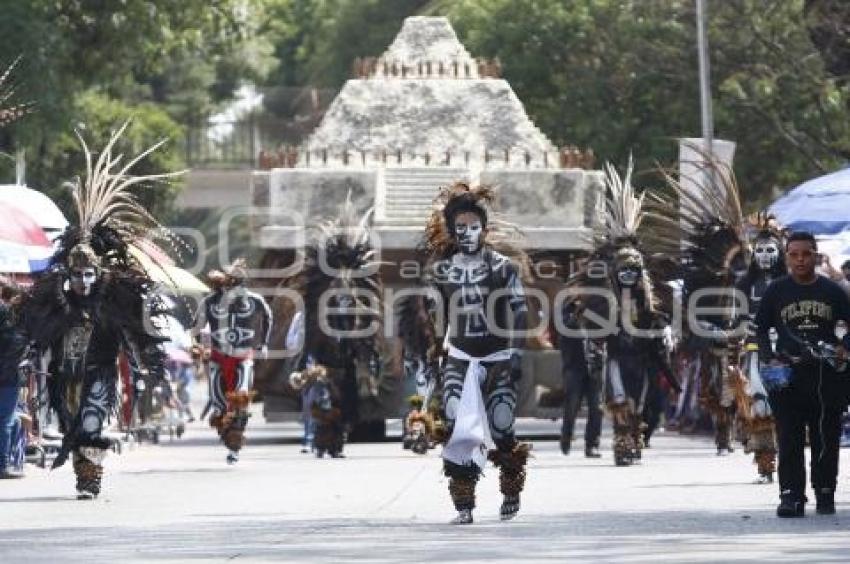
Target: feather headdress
x=110, y=218
x=764, y=224
x=760, y=228
x=339, y=256
x=618, y=237
x=621, y=217
x=438, y=242
x=702, y=224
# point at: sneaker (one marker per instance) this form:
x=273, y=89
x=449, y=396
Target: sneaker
x=766, y=478
x=565, y=447
x=464, y=517
x=232, y=457
x=10, y=474
x=791, y=505
x=825, y=499
x=592, y=452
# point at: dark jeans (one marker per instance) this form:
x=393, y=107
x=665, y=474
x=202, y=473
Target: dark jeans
x=578, y=384
x=796, y=409
x=8, y=401
x=655, y=406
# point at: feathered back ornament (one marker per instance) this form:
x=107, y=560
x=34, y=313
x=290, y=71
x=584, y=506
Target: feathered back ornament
x=702, y=223
x=618, y=237
x=339, y=256
x=110, y=217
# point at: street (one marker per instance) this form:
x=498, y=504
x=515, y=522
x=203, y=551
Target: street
x=179, y=501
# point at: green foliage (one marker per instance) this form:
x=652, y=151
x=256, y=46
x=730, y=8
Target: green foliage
x=164, y=60
x=316, y=41
x=621, y=76
x=98, y=117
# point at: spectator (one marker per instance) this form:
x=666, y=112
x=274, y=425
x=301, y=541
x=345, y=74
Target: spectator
x=840, y=277
x=583, y=362
x=804, y=308
x=845, y=270
x=12, y=347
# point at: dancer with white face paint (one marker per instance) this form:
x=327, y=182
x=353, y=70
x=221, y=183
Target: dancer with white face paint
x=480, y=373
x=767, y=264
x=631, y=346
x=94, y=302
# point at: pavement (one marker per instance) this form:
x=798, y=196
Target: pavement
x=180, y=502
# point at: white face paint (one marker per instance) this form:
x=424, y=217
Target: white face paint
x=766, y=253
x=468, y=230
x=628, y=276
x=82, y=280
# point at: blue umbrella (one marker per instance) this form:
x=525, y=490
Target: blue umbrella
x=820, y=205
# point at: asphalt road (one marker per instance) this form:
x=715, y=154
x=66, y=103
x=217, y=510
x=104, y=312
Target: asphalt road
x=179, y=501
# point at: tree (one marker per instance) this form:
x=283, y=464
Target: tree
x=621, y=76
x=99, y=116
x=164, y=60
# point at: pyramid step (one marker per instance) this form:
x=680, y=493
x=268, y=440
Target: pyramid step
x=413, y=189
x=415, y=198
x=406, y=212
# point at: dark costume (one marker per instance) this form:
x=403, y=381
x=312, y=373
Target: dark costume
x=479, y=376
x=767, y=264
x=94, y=301
x=583, y=365
x=423, y=426
x=704, y=227
x=617, y=276
x=240, y=322
x=342, y=295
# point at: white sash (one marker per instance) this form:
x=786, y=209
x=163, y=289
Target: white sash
x=470, y=439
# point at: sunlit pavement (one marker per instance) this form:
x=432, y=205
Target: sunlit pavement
x=179, y=501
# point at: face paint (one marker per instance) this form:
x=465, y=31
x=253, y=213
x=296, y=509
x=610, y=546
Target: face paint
x=82, y=280
x=468, y=232
x=766, y=253
x=628, y=276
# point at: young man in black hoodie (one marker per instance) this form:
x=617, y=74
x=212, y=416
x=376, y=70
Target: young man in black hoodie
x=804, y=308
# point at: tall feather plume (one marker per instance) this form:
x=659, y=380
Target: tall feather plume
x=103, y=197
x=12, y=112
x=622, y=215
x=110, y=217
x=701, y=222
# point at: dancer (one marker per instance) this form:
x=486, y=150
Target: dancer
x=341, y=295
x=617, y=275
x=704, y=227
x=94, y=301
x=240, y=323
x=767, y=264
x=423, y=427
x=480, y=374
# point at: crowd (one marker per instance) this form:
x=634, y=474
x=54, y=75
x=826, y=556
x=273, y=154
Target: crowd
x=759, y=354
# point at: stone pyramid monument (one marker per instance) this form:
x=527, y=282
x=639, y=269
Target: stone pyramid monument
x=427, y=96
x=422, y=115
